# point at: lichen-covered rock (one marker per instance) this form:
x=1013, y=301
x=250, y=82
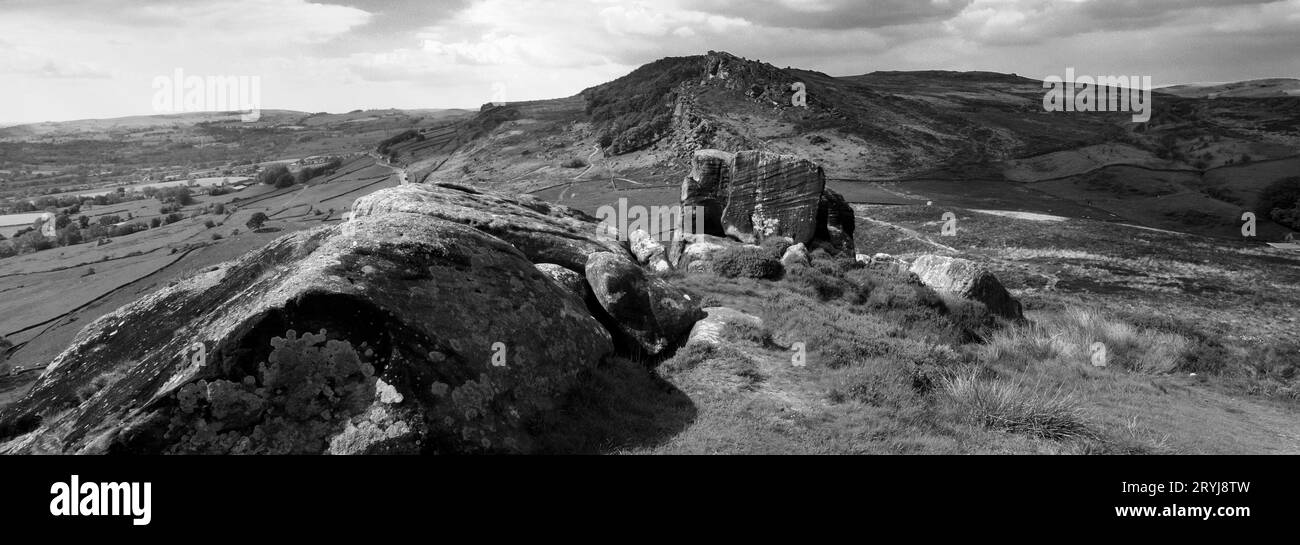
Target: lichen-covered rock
x=967, y=279
x=648, y=251
x=650, y=311
x=571, y=281
x=544, y=232
x=422, y=332
x=709, y=330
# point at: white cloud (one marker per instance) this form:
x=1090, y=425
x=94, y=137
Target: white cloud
x=88, y=58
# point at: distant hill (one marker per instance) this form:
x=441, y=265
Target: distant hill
x=1259, y=88
x=269, y=118
x=955, y=136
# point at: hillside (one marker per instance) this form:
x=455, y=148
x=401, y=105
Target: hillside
x=915, y=262
x=952, y=137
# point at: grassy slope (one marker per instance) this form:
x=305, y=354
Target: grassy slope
x=889, y=371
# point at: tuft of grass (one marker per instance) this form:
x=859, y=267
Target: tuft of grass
x=1014, y=408
x=1069, y=337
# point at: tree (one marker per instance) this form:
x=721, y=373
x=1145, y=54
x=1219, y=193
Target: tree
x=255, y=223
x=1280, y=201
x=278, y=176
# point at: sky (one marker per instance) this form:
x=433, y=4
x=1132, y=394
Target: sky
x=78, y=59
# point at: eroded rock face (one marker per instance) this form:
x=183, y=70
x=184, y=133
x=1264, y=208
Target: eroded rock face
x=706, y=187
x=650, y=311
x=752, y=196
x=967, y=279
x=422, y=325
x=772, y=195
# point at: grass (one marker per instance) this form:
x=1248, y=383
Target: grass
x=893, y=367
x=1086, y=336
x=1016, y=408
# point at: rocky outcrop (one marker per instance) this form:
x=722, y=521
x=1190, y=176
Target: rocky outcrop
x=648, y=310
x=710, y=329
x=421, y=325
x=752, y=196
x=544, y=232
x=967, y=279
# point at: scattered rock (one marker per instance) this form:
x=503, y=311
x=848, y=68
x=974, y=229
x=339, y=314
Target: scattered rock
x=967, y=279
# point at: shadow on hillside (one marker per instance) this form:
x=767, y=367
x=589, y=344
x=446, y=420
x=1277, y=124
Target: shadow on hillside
x=620, y=405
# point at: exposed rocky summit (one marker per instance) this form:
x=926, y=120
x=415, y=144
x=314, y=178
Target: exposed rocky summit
x=421, y=325
x=967, y=279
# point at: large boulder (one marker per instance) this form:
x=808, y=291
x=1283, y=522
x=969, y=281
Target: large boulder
x=544, y=232
x=421, y=325
x=650, y=311
x=752, y=196
x=772, y=195
x=967, y=279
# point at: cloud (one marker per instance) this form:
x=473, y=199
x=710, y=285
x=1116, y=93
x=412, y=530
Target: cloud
x=836, y=14
x=338, y=55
